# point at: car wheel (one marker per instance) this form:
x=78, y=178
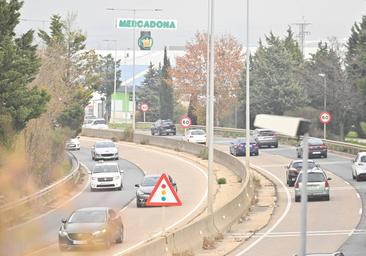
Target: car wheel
x=159, y=133
x=92, y=189
x=353, y=176
x=276, y=145
x=298, y=154
x=116, y=158
x=174, y=133
x=120, y=187
x=358, y=178
x=327, y=198
x=297, y=198
x=138, y=205
x=120, y=236
x=325, y=155
x=235, y=153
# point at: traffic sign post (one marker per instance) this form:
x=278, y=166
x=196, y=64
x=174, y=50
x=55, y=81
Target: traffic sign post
x=185, y=122
x=325, y=118
x=163, y=195
x=144, y=107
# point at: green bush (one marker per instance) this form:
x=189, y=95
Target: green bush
x=221, y=181
x=128, y=134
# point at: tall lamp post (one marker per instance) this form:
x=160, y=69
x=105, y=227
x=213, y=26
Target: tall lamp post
x=133, y=10
x=325, y=102
x=247, y=98
x=115, y=77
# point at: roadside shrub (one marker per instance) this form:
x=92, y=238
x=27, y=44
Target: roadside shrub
x=128, y=134
x=144, y=141
x=204, y=154
x=221, y=181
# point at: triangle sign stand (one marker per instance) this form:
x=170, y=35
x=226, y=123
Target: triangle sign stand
x=163, y=194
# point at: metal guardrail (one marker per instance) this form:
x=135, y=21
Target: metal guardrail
x=332, y=144
x=14, y=210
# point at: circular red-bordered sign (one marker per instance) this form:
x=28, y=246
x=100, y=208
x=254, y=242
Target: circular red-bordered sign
x=144, y=107
x=185, y=122
x=325, y=117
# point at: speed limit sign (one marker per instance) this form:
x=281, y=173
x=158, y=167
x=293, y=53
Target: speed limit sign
x=325, y=117
x=185, y=122
x=144, y=107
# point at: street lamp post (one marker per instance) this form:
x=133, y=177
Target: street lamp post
x=115, y=77
x=325, y=103
x=247, y=119
x=133, y=10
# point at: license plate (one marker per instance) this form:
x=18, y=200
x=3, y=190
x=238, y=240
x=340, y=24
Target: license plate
x=316, y=153
x=79, y=242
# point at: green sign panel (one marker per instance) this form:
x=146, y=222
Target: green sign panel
x=147, y=24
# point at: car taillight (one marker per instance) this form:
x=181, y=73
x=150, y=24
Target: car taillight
x=296, y=185
x=323, y=146
x=326, y=184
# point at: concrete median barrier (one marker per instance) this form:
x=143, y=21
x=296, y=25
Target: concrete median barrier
x=191, y=236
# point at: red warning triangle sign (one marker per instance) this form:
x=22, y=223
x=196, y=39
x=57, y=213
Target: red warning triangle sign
x=163, y=194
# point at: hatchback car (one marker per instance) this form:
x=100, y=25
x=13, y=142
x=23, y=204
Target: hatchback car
x=104, y=150
x=237, y=147
x=317, y=186
x=89, y=227
x=317, y=148
x=265, y=137
x=163, y=127
x=293, y=169
x=73, y=144
x=195, y=136
x=147, y=185
x=359, y=166
x=106, y=175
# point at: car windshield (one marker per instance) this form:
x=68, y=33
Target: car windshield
x=105, y=168
x=97, y=216
x=266, y=133
x=197, y=132
x=167, y=122
x=363, y=159
x=313, y=177
x=150, y=181
x=104, y=144
x=315, y=142
x=242, y=141
x=298, y=165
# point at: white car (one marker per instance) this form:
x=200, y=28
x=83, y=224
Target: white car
x=359, y=166
x=73, y=143
x=106, y=175
x=98, y=123
x=195, y=136
x=104, y=150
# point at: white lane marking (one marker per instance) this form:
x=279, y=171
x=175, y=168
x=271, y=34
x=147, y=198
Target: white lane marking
x=288, y=206
x=347, y=183
x=360, y=211
x=42, y=249
x=309, y=233
x=57, y=207
x=358, y=195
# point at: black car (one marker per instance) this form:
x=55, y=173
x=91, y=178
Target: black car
x=293, y=169
x=317, y=148
x=89, y=227
x=163, y=127
x=147, y=185
x=237, y=147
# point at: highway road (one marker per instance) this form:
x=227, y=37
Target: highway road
x=39, y=236
x=332, y=225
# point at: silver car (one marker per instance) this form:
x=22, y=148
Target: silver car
x=317, y=186
x=265, y=137
x=104, y=150
x=359, y=166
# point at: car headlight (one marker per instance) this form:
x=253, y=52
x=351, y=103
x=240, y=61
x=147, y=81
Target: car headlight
x=94, y=178
x=99, y=232
x=62, y=233
x=117, y=177
x=139, y=192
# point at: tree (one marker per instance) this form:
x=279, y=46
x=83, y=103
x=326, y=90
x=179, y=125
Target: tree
x=107, y=80
x=356, y=70
x=19, y=64
x=339, y=94
x=274, y=81
x=166, y=96
x=149, y=93
x=190, y=75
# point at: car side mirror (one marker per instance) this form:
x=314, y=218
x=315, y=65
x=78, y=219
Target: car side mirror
x=329, y=178
x=121, y=171
x=317, y=165
x=64, y=220
x=78, y=137
x=137, y=185
x=173, y=183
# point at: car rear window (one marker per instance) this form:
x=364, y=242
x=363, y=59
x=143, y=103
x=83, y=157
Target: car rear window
x=99, y=122
x=198, y=132
x=298, y=165
x=313, y=177
x=266, y=133
x=315, y=142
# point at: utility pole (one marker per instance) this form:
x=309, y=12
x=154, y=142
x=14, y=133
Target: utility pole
x=302, y=33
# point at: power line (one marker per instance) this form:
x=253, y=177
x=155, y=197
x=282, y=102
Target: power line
x=302, y=33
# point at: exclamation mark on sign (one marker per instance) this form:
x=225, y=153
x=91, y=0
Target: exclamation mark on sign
x=163, y=192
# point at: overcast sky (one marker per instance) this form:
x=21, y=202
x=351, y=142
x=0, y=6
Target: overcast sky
x=328, y=18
